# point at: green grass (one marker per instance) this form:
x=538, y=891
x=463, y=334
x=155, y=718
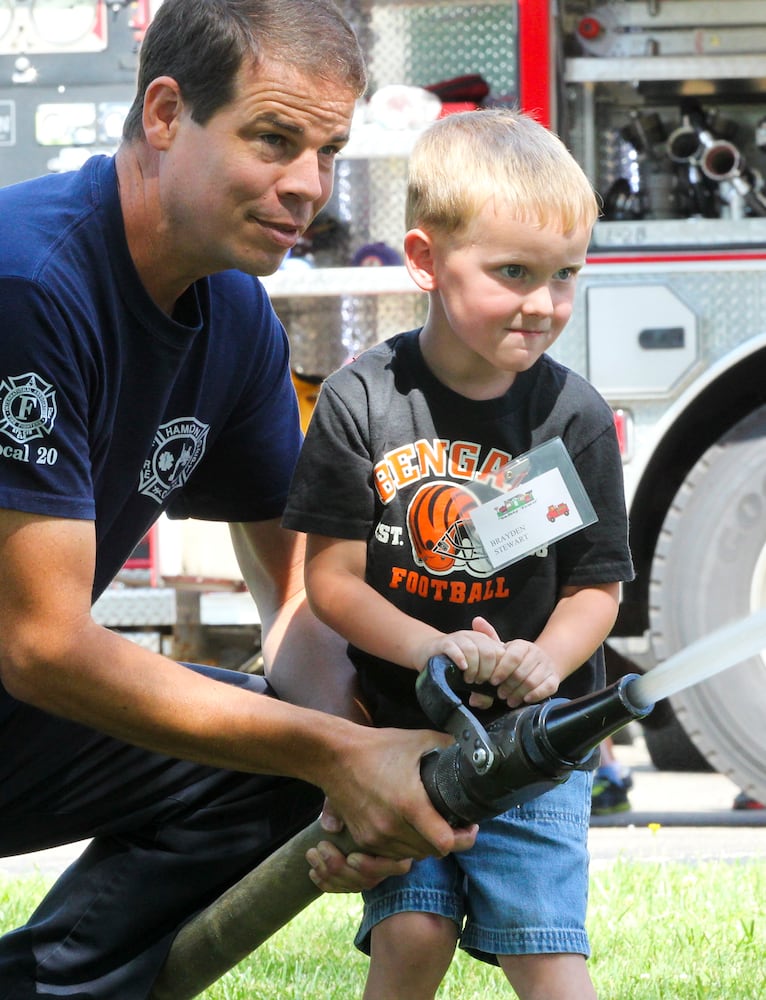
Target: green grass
x=659, y=931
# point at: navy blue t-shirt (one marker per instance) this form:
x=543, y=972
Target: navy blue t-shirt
x=110, y=410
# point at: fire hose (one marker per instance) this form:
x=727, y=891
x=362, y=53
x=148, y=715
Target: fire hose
x=484, y=772
x=517, y=757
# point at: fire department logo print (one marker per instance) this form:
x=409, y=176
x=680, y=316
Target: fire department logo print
x=177, y=449
x=27, y=407
x=441, y=542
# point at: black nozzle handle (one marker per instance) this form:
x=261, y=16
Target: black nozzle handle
x=437, y=689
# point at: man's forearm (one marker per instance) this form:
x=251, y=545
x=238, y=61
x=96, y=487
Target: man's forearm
x=110, y=684
x=307, y=665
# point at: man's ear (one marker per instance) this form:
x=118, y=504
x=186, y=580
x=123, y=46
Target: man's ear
x=163, y=105
x=419, y=259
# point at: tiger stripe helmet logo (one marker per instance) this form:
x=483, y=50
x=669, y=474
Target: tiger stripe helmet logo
x=440, y=540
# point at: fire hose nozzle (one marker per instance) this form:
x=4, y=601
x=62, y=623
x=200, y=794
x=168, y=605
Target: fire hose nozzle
x=532, y=748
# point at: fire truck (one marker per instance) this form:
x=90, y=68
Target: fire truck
x=67, y=78
x=663, y=102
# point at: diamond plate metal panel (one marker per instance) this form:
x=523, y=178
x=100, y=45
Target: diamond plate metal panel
x=136, y=606
x=147, y=639
x=423, y=43
x=325, y=333
x=405, y=43
x=730, y=304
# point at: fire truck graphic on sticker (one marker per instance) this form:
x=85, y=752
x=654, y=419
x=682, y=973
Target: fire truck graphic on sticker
x=176, y=451
x=557, y=510
x=514, y=503
x=27, y=407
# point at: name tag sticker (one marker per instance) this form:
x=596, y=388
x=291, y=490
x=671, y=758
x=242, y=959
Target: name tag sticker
x=546, y=501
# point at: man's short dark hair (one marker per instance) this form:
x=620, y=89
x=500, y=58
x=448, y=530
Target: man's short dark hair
x=202, y=44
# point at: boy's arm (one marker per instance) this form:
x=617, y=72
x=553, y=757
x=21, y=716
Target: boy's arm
x=339, y=595
x=580, y=622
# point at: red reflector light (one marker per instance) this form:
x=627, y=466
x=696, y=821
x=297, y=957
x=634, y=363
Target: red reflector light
x=623, y=425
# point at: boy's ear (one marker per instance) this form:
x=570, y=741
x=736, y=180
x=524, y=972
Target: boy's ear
x=419, y=260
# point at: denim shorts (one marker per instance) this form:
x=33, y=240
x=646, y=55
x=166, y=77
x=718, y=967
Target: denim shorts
x=521, y=889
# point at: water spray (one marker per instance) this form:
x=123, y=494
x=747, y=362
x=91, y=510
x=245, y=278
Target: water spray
x=727, y=646
x=487, y=770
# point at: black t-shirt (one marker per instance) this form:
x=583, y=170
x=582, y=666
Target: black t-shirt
x=395, y=458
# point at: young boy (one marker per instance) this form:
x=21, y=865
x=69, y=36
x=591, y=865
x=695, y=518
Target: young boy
x=403, y=443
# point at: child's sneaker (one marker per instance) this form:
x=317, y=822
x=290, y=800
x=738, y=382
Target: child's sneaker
x=608, y=795
x=626, y=777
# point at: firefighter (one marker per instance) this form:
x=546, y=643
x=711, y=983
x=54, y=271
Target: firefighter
x=142, y=369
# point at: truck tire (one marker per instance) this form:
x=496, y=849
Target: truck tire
x=667, y=744
x=709, y=569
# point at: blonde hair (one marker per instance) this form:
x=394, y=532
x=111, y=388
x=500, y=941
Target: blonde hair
x=466, y=159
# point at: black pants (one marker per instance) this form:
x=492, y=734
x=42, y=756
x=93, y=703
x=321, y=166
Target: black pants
x=168, y=837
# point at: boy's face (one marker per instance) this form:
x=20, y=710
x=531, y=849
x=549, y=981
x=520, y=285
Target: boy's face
x=501, y=294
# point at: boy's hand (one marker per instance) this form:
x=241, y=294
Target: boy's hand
x=333, y=871
x=525, y=674
x=477, y=651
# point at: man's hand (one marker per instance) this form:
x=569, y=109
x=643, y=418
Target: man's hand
x=376, y=791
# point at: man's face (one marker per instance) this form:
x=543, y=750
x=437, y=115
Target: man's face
x=240, y=190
